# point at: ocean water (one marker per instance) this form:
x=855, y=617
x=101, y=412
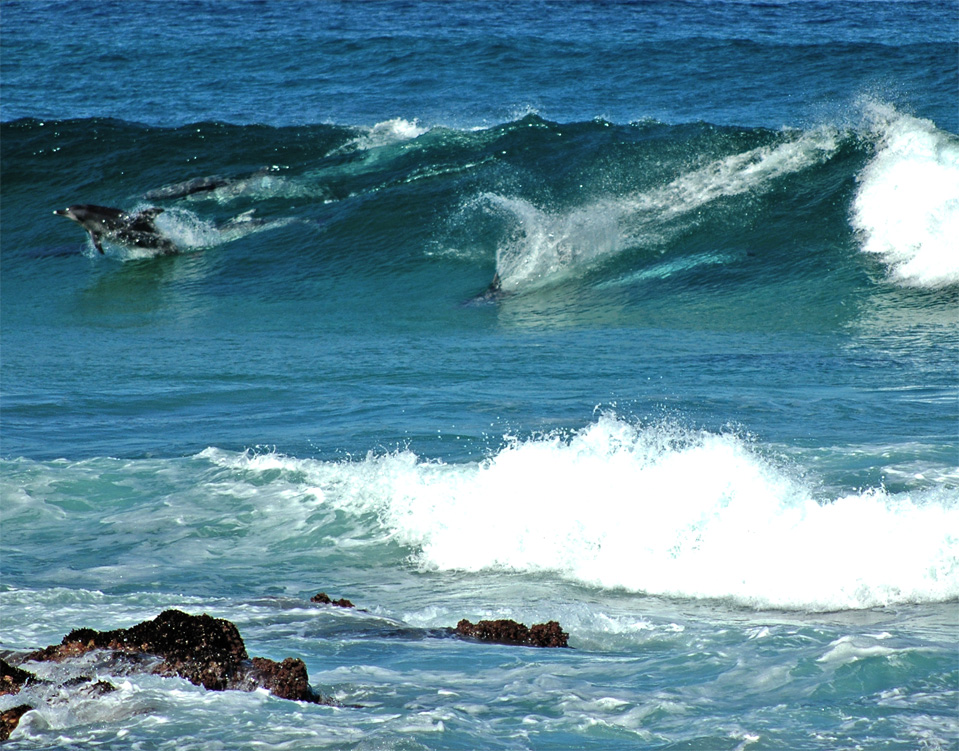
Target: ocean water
x=707, y=418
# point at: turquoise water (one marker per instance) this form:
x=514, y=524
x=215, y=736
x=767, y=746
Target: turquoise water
x=707, y=418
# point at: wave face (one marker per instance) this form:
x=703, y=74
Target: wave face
x=539, y=203
x=705, y=254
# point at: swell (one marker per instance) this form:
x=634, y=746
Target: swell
x=537, y=203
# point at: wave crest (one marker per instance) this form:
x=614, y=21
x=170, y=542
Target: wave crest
x=659, y=510
x=906, y=207
x=546, y=247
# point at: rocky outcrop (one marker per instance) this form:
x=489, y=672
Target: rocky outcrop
x=287, y=679
x=210, y=652
x=510, y=632
x=10, y=718
x=324, y=599
x=12, y=679
x=206, y=651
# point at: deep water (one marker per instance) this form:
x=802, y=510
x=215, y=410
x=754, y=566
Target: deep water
x=642, y=317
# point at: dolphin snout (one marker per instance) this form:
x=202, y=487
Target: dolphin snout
x=68, y=213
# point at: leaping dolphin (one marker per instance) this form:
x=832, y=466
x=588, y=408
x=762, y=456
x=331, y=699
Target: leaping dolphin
x=135, y=229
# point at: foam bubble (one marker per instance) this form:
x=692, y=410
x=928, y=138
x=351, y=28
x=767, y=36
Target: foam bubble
x=548, y=247
x=907, y=205
x=190, y=232
x=852, y=648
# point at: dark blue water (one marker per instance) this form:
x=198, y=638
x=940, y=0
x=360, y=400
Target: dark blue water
x=643, y=317
x=299, y=63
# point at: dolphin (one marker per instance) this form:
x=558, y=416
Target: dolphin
x=493, y=293
x=206, y=184
x=188, y=188
x=135, y=229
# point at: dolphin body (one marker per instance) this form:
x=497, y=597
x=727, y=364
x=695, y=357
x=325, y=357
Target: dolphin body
x=206, y=184
x=135, y=229
x=493, y=293
x=188, y=188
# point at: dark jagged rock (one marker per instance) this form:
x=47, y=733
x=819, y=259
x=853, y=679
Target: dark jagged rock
x=510, y=632
x=549, y=634
x=207, y=651
x=324, y=599
x=12, y=679
x=10, y=718
x=287, y=679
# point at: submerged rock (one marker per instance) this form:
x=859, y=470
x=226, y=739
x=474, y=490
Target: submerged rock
x=88, y=687
x=206, y=651
x=12, y=679
x=510, y=632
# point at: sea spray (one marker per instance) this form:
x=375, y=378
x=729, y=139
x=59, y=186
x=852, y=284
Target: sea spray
x=542, y=246
x=906, y=207
x=655, y=509
x=387, y=133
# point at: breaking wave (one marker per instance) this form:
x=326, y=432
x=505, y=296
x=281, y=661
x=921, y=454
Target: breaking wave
x=652, y=509
x=906, y=207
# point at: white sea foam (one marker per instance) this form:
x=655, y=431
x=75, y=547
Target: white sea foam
x=546, y=246
x=658, y=510
x=848, y=649
x=387, y=133
x=189, y=232
x=907, y=204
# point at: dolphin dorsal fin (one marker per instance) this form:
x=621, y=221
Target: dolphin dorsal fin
x=150, y=213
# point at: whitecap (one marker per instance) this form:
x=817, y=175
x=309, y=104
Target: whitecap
x=906, y=208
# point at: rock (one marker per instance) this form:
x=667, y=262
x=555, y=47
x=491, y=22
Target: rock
x=549, y=634
x=85, y=685
x=324, y=599
x=287, y=679
x=10, y=718
x=207, y=651
x=12, y=679
x=510, y=632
